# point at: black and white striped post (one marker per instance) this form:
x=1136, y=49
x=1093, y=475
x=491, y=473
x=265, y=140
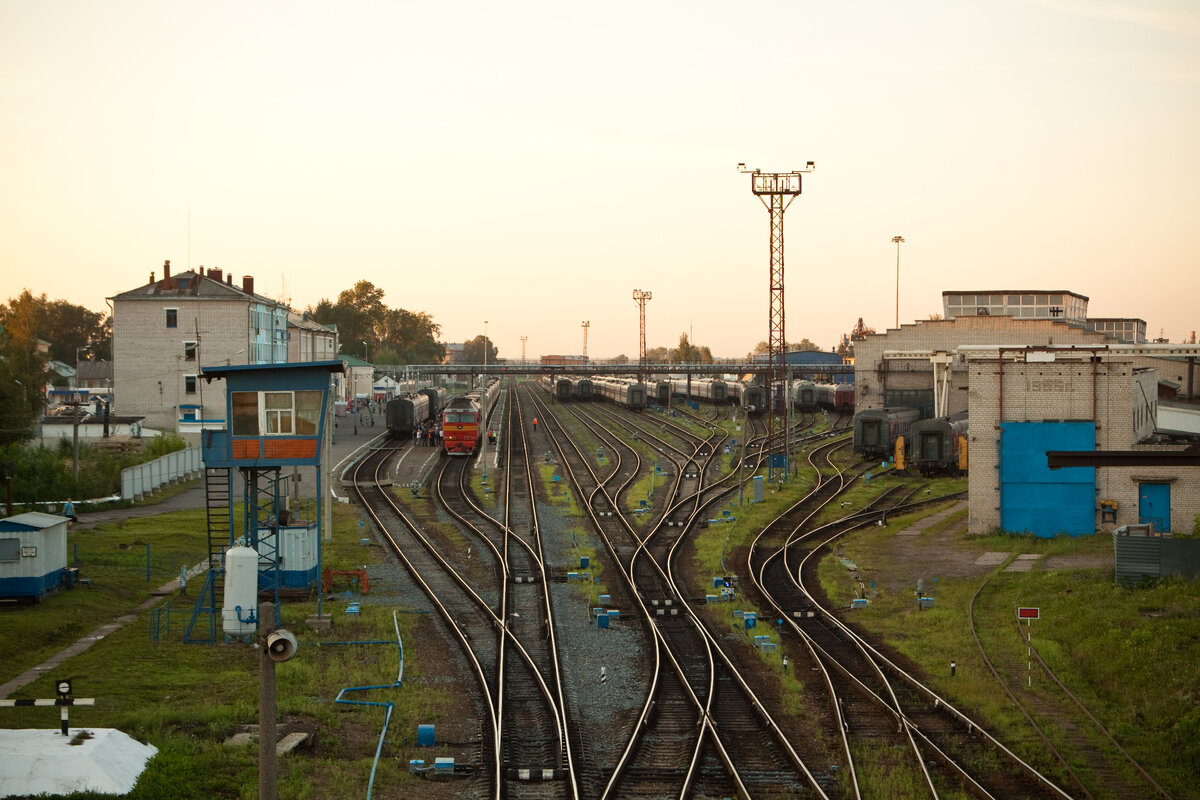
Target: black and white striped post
x=64, y=701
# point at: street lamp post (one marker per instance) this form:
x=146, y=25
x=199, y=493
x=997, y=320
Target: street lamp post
x=898, y=240
x=366, y=354
x=485, y=349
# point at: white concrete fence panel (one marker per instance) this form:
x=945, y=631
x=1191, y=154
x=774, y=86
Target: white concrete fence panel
x=137, y=482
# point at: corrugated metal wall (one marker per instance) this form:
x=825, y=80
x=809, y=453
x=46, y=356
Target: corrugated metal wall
x=1036, y=499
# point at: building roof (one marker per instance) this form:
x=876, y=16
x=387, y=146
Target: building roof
x=354, y=361
x=94, y=371
x=209, y=373
x=31, y=521
x=1014, y=291
x=196, y=285
x=295, y=320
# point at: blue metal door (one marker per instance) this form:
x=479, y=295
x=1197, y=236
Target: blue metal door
x=1154, y=505
x=1036, y=499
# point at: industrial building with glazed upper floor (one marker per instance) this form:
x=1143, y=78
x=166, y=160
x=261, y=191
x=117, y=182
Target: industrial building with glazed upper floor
x=1037, y=375
x=167, y=330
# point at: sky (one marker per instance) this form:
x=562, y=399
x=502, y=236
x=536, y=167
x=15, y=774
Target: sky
x=530, y=164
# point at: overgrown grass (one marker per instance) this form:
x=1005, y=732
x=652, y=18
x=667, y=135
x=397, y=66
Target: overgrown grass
x=187, y=699
x=1129, y=654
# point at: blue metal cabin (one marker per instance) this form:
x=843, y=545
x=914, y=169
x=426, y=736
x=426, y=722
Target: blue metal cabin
x=33, y=554
x=277, y=418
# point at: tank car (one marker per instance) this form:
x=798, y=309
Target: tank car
x=938, y=446
x=876, y=430
x=405, y=413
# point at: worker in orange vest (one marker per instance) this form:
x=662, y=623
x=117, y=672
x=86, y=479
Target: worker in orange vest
x=535, y=423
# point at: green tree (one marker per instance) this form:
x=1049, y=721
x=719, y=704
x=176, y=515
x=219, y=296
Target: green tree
x=473, y=351
x=361, y=316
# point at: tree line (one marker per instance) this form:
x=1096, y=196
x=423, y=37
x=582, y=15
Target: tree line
x=35, y=330
x=369, y=330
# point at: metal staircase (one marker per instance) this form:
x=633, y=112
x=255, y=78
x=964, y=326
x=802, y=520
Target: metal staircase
x=218, y=497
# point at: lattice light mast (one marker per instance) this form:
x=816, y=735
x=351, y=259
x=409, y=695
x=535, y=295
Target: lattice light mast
x=776, y=190
x=523, y=340
x=641, y=297
x=586, y=325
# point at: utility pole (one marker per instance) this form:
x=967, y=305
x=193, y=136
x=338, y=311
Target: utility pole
x=898, y=240
x=641, y=297
x=586, y=325
x=776, y=190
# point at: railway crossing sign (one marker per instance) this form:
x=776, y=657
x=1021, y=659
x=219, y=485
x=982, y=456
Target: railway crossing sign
x=1029, y=613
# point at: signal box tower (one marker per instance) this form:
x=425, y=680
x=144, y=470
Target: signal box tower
x=776, y=190
x=276, y=416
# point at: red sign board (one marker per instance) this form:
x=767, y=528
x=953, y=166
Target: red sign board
x=1029, y=613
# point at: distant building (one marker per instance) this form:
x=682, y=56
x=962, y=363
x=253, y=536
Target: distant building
x=1128, y=330
x=309, y=340
x=564, y=360
x=1019, y=304
x=167, y=329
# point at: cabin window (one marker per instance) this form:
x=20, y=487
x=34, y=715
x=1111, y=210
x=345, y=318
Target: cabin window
x=245, y=413
x=10, y=549
x=308, y=412
x=279, y=413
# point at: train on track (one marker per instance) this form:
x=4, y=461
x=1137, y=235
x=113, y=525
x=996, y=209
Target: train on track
x=749, y=396
x=563, y=388
x=405, y=413
x=809, y=396
x=558, y=387
x=712, y=390
x=876, y=430
x=622, y=391
x=938, y=446
x=465, y=418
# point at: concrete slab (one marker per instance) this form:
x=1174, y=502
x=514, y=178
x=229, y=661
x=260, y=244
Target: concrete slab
x=43, y=761
x=1023, y=562
x=991, y=559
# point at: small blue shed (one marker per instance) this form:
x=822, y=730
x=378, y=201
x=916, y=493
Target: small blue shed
x=33, y=554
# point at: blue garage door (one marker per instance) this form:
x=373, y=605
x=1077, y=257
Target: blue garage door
x=1036, y=499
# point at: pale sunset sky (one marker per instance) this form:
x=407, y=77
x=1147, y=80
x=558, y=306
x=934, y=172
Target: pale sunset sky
x=532, y=163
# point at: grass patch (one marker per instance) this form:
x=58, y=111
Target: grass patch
x=187, y=699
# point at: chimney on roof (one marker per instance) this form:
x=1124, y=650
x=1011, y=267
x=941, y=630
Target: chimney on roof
x=200, y=269
x=229, y=279
x=167, y=270
x=152, y=276
x=248, y=284
x=214, y=273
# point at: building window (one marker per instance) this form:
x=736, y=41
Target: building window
x=189, y=351
x=172, y=317
x=189, y=384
